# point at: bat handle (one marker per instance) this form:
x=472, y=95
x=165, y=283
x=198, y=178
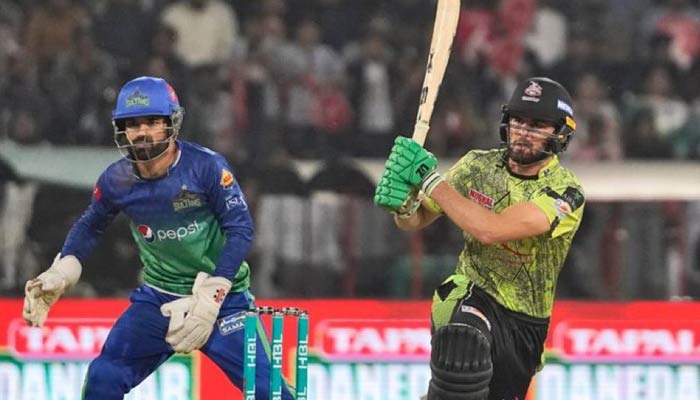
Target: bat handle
x=420, y=132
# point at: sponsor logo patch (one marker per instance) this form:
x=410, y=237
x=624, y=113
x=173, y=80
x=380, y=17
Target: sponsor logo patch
x=180, y=233
x=236, y=201
x=562, y=105
x=226, y=179
x=561, y=207
x=471, y=310
x=481, y=198
x=146, y=233
x=232, y=323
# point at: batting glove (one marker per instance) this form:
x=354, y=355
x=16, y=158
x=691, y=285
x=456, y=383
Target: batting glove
x=414, y=164
x=396, y=195
x=192, y=318
x=43, y=291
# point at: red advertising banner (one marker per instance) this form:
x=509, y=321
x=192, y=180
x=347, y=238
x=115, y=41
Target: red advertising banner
x=362, y=349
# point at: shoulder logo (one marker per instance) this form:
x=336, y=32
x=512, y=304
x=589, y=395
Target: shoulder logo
x=226, y=179
x=137, y=99
x=186, y=199
x=97, y=193
x=573, y=196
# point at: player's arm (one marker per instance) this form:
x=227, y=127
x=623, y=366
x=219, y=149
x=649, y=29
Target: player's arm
x=231, y=211
x=412, y=165
x=192, y=318
x=89, y=228
x=44, y=290
x=519, y=221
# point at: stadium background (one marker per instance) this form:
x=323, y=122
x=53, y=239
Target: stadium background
x=304, y=98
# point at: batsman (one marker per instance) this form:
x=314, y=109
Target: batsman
x=519, y=209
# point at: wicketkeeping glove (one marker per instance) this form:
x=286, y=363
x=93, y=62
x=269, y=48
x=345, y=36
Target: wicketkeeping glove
x=43, y=291
x=414, y=164
x=192, y=318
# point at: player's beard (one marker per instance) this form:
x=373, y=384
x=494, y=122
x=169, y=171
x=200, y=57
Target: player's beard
x=522, y=152
x=145, y=149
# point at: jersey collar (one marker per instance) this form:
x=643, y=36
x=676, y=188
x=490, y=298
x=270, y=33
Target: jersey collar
x=548, y=168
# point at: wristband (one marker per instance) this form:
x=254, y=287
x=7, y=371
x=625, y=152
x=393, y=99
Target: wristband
x=430, y=182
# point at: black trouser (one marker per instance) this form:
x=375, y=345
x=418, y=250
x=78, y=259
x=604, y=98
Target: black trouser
x=517, y=339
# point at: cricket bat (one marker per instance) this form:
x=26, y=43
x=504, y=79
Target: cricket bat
x=446, y=19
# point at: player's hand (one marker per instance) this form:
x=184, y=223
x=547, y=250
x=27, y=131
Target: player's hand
x=193, y=317
x=41, y=293
x=396, y=195
x=414, y=164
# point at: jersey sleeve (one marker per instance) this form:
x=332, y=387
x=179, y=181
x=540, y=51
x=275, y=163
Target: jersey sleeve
x=231, y=211
x=450, y=177
x=563, y=205
x=86, y=231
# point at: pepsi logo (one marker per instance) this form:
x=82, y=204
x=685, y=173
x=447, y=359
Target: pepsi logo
x=146, y=233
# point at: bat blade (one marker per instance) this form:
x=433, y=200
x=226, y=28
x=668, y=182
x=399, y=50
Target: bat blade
x=446, y=19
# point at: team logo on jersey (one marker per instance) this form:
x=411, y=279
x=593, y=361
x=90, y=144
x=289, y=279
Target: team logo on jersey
x=146, y=233
x=186, y=200
x=226, y=179
x=533, y=92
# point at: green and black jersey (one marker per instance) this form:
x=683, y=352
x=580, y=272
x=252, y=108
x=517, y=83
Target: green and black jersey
x=520, y=274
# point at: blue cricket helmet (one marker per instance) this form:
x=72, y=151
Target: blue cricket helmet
x=146, y=96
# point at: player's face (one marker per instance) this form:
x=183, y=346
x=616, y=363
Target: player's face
x=146, y=135
x=528, y=140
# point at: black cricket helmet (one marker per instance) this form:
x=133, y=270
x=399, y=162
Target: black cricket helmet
x=545, y=100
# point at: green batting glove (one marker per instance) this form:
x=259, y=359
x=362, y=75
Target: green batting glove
x=392, y=192
x=414, y=164
x=410, y=161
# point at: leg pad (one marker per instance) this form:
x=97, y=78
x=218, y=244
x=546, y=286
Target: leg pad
x=460, y=363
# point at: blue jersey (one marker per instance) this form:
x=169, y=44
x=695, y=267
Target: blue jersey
x=194, y=218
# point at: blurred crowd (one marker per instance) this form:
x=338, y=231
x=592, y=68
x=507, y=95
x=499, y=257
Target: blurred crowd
x=267, y=81
x=319, y=76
